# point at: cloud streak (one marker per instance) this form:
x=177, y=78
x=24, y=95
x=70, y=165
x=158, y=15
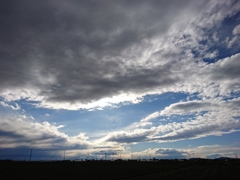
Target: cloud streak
x=206, y=118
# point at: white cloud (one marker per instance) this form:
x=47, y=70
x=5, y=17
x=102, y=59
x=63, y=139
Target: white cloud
x=16, y=107
x=21, y=132
x=209, y=117
x=138, y=135
x=211, y=55
x=236, y=30
x=205, y=151
x=17, y=131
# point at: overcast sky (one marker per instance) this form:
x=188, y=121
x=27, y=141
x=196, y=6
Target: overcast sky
x=137, y=78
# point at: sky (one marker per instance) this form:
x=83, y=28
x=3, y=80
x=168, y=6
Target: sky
x=120, y=79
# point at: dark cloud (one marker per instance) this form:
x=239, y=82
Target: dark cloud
x=235, y=102
x=107, y=152
x=26, y=154
x=190, y=132
x=95, y=86
x=9, y=134
x=82, y=51
x=225, y=70
x=126, y=137
x=79, y=52
x=189, y=106
x=171, y=153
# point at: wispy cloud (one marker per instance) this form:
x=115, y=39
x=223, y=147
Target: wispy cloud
x=206, y=118
x=16, y=107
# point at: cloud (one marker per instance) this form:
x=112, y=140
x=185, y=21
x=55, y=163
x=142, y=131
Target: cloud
x=47, y=140
x=64, y=57
x=161, y=153
x=17, y=131
x=225, y=69
x=205, y=151
x=236, y=30
x=204, y=118
x=138, y=135
x=196, y=107
x=187, y=107
x=20, y=133
x=223, y=77
x=171, y=153
x=16, y=107
x=213, y=151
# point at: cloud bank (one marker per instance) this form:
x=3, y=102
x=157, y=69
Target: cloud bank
x=23, y=132
x=77, y=55
x=205, y=118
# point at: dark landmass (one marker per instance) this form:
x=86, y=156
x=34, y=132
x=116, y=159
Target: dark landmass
x=131, y=169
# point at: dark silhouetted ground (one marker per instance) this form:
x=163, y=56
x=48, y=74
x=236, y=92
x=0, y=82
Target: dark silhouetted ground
x=206, y=169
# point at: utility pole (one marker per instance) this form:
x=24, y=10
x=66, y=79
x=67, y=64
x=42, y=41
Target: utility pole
x=189, y=156
x=236, y=156
x=64, y=155
x=30, y=156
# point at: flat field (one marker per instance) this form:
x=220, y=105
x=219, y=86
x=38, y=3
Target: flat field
x=207, y=169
